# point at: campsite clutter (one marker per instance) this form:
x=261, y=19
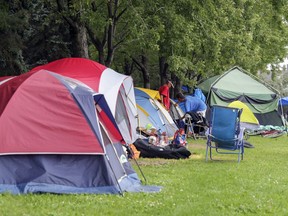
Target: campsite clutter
x=167, y=152
x=157, y=128
x=156, y=137
x=194, y=109
x=151, y=111
x=155, y=144
x=180, y=138
x=79, y=112
x=236, y=84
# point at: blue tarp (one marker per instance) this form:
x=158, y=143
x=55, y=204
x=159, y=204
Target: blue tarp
x=284, y=101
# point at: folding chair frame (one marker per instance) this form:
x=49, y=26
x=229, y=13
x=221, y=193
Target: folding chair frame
x=238, y=141
x=190, y=126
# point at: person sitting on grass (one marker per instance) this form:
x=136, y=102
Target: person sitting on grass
x=179, y=139
x=153, y=138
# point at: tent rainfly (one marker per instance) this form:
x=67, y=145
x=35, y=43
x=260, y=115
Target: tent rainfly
x=238, y=84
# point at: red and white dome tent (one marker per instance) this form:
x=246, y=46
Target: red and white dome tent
x=57, y=135
x=117, y=88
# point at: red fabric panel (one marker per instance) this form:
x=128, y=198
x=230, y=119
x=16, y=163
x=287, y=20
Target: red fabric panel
x=5, y=77
x=113, y=132
x=85, y=70
x=8, y=88
x=42, y=117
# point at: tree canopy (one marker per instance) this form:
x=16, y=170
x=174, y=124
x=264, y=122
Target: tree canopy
x=152, y=40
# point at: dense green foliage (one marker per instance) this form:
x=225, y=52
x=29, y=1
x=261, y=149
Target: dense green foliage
x=256, y=186
x=150, y=40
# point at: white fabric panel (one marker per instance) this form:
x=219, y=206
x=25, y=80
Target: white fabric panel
x=110, y=85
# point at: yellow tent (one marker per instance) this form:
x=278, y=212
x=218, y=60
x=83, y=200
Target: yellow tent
x=152, y=93
x=247, y=115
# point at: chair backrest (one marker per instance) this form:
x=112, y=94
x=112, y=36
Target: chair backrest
x=225, y=126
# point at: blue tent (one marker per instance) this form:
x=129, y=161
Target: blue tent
x=150, y=110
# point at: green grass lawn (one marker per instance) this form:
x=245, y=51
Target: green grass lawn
x=258, y=185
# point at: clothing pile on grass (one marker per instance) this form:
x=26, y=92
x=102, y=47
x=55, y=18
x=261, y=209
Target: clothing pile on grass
x=268, y=131
x=157, y=145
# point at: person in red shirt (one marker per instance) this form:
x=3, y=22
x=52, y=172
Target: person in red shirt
x=164, y=94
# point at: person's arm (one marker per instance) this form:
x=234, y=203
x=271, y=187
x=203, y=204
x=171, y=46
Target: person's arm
x=162, y=99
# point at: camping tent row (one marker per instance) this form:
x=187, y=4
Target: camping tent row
x=237, y=84
x=58, y=135
x=151, y=111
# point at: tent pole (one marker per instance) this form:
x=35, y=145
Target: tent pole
x=283, y=117
x=130, y=152
x=140, y=171
x=138, y=122
x=121, y=191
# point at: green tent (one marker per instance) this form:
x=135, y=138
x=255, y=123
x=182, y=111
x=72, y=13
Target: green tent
x=206, y=84
x=238, y=84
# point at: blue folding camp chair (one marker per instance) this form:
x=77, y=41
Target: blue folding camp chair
x=224, y=132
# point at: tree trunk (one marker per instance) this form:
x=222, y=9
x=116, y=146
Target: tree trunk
x=110, y=47
x=128, y=67
x=97, y=43
x=111, y=31
x=108, y=41
x=78, y=33
x=143, y=67
x=145, y=72
x=163, y=67
x=79, y=46
x=177, y=86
